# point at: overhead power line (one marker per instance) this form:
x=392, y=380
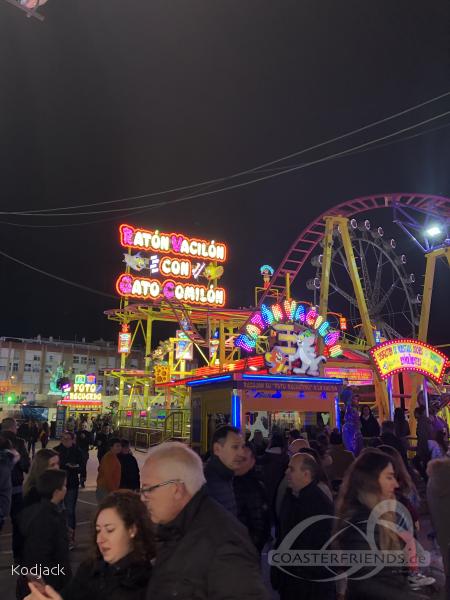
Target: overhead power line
x=72, y=283
x=283, y=171
x=241, y=173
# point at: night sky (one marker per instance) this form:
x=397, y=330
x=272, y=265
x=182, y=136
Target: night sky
x=109, y=99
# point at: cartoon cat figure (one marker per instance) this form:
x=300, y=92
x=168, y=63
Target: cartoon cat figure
x=306, y=352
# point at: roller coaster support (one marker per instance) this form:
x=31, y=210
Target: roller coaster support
x=342, y=223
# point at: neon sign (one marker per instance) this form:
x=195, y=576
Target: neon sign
x=153, y=289
x=396, y=356
x=354, y=375
x=173, y=243
x=290, y=312
x=85, y=390
x=164, y=275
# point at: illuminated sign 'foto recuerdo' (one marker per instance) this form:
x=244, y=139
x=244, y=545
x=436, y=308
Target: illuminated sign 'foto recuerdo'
x=85, y=390
x=164, y=264
x=396, y=356
x=292, y=313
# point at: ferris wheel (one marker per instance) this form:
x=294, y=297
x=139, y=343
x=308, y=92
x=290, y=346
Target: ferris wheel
x=392, y=302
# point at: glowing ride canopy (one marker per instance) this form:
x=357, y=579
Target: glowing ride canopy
x=290, y=312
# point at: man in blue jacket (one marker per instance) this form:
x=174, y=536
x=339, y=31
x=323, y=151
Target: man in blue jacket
x=227, y=456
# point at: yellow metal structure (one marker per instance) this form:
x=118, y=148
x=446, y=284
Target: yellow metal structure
x=342, y=224
x=431, y=258
x=142, y=387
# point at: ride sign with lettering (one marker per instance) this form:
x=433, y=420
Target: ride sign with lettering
x=171, y=266
x=396, y=356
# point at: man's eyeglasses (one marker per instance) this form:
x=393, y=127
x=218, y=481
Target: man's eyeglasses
x=146, y=491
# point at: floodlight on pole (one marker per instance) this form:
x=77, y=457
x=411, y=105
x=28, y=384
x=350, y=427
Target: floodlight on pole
x=433, y=231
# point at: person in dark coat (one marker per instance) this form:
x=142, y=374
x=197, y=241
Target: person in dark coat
x=102, y=441
x=389, y=438
x=122, y=550
x=273, y=466
x=204, y=552
x=251, y=498
x=7, y=458
x=227, y=444
x=369, y=425
x=9, y=429
x=83, y=440
x=129, y=477
x=44, y=531
x=33, y=436
x=70, y=459
x=303, y=500
x=424, y=433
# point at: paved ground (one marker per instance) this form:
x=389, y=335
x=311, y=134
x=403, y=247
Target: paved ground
x=85, y=511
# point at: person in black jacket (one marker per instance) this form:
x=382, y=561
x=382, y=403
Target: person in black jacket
x=123, y=548
x=303, y=500
x=102, y=441
x=204, y=552
x=44, y=531
x=389, y=438
x=129, y=478
x=70, y=459
x=369, y=425
x=7, y=458
x=251, y=499
x=9, y=429
x=83, y=440
x=227, y=444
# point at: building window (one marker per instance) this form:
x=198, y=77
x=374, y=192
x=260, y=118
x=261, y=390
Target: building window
x=92, y=360
x=84, y=360
x=76, y=360
x=37, y=358
x=27, y=367
x=15, y=367
x=50, y=357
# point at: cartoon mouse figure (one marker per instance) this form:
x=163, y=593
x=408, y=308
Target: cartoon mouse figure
x=276, y=360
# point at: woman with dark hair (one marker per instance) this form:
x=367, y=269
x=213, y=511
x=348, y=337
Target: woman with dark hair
x=122, y=550
x=44, y=459
x=370, y=427
x=369, y=481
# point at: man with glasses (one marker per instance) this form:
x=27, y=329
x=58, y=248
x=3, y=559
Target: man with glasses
x=204, y=551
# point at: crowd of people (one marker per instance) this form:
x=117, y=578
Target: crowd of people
x=183, y=527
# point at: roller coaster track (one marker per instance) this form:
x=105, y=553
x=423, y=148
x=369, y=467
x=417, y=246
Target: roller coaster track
x=301, y=250
x=185, y=321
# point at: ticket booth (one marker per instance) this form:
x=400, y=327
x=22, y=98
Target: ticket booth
x=253, y=401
